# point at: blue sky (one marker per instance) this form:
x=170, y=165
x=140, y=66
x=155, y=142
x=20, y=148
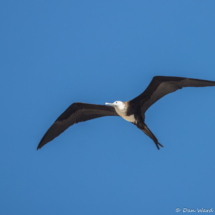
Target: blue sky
x=54, y=53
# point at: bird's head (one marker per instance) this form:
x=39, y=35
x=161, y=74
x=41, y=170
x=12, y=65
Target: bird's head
x=117, y=104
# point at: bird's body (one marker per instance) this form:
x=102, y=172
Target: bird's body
x=122, y=110
x=130, y=118
x=132, y=111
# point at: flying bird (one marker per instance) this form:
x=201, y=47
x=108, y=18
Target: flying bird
x=132, y=111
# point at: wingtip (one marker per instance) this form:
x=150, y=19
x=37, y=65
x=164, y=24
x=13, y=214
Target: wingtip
x=38, y=147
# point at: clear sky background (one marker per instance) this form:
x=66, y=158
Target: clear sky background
x=54, y=53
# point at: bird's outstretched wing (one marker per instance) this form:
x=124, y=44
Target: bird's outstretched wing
x=77, y=112
x=163, y=85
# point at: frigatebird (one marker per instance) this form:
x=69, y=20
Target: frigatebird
x=132, y=111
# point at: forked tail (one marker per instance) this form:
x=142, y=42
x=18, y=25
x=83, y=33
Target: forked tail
x=146, y=130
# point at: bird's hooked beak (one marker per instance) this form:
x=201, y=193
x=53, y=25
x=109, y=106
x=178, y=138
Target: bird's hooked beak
x=110, y=104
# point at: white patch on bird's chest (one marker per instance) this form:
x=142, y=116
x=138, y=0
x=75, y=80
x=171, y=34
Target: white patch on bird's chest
x=122, y=113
